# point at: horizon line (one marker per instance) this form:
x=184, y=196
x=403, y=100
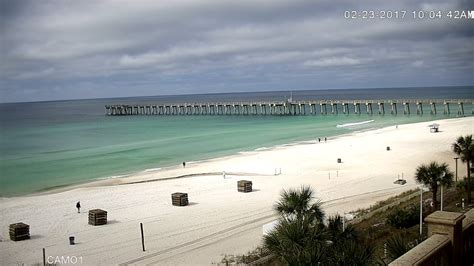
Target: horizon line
x=239, y=92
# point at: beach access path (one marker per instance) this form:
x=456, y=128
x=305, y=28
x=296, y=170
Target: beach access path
x=219, y=220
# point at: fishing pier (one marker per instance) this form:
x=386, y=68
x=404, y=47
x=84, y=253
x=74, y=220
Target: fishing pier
x=296, y=108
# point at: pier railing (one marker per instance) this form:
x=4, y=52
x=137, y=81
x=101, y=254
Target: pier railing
x=323, y=107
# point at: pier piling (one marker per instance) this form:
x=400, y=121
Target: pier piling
x=460, y=109
x=406, y=108
x=357, y=108
x=433, y=108
x=369, y=108
x=345, y=108
x=393, y=108
x=419, y=108
x=323, y=108
x=381, y=108
x=334, y=108
x=446, y=108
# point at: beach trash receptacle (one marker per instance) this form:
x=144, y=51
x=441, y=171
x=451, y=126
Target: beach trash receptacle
x=388, y=148
x=71, y=240
x=19, y=231
x=339, y=160
x=97, y=217
x=244, y=186
x=179, y=199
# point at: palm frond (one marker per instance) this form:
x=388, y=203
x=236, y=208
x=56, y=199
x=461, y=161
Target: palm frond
x=397, y=246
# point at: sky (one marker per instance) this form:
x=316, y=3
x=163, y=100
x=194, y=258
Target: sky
x=53, y=50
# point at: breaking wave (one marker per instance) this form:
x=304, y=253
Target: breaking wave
x=355, y=124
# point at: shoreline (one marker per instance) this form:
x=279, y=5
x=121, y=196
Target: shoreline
x=117, y=179
x=127, y=178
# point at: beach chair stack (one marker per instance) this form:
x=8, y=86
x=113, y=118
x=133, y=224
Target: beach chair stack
x=179, y=199
x=244, y=186
x=97, y=217
x=19, y=231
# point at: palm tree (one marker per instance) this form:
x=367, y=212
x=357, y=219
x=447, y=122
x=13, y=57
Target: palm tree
x=464, y=147
x=297, y=242
x=336, y=232
x=295, y=204
x=302, y=238
x=345, y=247
x=432, y=175
x=299, y=237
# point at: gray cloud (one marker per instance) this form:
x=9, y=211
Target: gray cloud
x=82, y=49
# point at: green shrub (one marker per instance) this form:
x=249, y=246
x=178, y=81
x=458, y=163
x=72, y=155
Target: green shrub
x=462, y=184
x=397, y=245
x=404, y=218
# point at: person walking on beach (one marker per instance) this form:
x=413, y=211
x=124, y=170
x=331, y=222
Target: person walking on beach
x=78, y=206
x=319, y=139
x=184, y=164
x=325, y=139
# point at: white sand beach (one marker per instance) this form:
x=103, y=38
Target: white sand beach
x=220, y=220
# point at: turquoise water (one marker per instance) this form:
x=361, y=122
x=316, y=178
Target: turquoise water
x=50, y=144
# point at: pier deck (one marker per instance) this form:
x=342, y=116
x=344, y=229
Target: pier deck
x=295, y=108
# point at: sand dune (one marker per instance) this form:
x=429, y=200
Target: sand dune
x=220, y=220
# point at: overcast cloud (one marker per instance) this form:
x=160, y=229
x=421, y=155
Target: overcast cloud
x=88, y=49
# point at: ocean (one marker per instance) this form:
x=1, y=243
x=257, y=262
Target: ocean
x=44, y=145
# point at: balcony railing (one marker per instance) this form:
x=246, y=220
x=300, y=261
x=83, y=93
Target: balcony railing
x=450, y=242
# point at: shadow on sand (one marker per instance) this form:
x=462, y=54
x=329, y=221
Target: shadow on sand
x=36, y=236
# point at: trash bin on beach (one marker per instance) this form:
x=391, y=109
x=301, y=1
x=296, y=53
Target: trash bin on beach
x=339, y=160
x=19, y=231
x=244, y=186
x=388, y=148
x=97, y=217
x=71, y=240
x=179, y=199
